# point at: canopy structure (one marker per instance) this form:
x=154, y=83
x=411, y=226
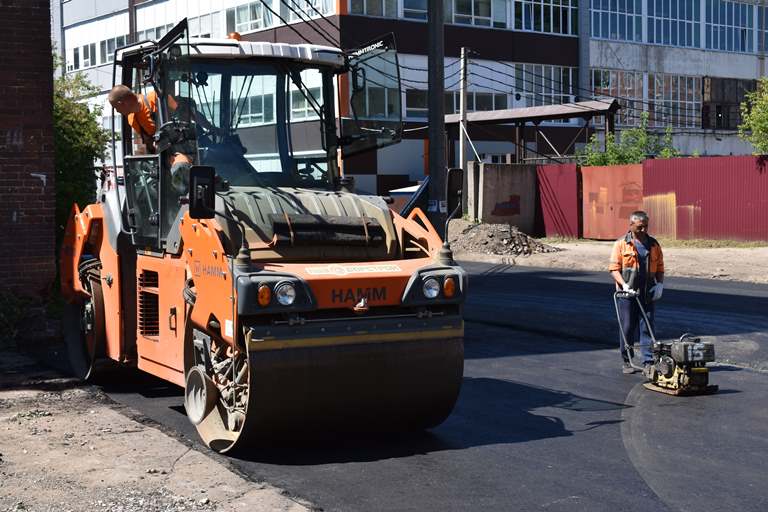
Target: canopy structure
x=520, y=117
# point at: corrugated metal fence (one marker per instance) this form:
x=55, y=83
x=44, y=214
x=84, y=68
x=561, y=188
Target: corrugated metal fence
x=559, y=195
x=708, y=197
x=714, y=197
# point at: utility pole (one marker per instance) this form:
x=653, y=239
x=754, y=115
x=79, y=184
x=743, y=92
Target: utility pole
x=437, y=208
x=463, y=126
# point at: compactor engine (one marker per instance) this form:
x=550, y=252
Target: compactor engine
x=254, y=276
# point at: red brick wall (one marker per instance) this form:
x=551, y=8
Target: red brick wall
x=27, y=236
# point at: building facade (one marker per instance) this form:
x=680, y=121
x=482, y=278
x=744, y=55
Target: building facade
x=685, y=63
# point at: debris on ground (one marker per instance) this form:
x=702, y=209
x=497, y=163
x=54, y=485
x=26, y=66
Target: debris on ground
x=67, y=447
x=501, y=239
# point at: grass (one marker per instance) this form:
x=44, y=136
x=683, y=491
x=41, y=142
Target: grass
x=712, y=244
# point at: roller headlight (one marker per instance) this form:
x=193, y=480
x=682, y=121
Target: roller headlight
x=285, y=294
x=431, y=288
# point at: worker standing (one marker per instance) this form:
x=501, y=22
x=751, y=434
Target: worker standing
x=637, y=264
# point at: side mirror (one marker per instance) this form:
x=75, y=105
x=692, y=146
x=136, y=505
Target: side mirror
x=454, y=182
x=358, y=79
x=202, y=192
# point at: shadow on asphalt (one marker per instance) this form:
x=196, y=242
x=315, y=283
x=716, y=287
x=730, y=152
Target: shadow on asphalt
x=510, y=419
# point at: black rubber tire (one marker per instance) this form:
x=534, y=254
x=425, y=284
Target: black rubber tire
x=83, y=350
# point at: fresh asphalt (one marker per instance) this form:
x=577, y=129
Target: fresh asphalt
x=545, y=419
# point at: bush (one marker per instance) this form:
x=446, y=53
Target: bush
x=632, y=147
x=79, y=141
x=754, y=115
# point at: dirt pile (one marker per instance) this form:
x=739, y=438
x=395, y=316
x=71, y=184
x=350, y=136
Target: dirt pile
x=501, y=239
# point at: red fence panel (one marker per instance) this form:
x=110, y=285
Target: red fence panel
x=709, y=197
x=559, y=189
x=610, y=194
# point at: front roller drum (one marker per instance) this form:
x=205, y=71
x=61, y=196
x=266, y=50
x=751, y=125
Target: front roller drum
x=311, y=392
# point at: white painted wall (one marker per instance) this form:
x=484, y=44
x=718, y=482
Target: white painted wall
x=670, y=60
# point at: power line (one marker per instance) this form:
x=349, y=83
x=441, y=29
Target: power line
x=654, y=105
x=322, y=16
x=309, y=23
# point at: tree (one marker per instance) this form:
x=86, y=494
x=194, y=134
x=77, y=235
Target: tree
x=635, y=145
x=754, y=115
x=79, y=141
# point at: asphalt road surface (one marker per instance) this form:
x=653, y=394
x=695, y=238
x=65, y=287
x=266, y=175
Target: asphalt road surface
x=545, y=419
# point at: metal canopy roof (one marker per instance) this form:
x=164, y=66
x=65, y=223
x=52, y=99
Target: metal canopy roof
x=536, y=114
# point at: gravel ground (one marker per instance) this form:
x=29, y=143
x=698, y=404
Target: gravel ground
x=68, y=448
x=723, y=263
x=494, y=239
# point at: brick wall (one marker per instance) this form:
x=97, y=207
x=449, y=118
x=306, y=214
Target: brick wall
x=27, y=235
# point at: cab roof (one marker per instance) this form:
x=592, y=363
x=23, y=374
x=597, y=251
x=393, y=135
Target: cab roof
x=230, y=48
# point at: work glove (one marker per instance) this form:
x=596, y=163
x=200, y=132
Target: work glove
x=625, y=288
x=656, y=291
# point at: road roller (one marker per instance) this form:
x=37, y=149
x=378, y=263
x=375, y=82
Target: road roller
x=228, y=254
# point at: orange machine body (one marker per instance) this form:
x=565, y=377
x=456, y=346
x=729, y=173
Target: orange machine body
x=161, y=316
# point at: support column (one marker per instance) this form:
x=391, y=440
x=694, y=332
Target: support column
x=436, y=102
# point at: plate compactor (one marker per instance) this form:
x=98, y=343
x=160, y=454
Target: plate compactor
x=679, y=367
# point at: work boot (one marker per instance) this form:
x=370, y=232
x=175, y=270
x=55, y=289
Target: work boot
x=627, y=368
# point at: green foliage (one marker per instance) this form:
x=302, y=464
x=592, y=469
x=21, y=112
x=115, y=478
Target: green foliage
x=754, y=115
x=79, y=140
x=635, y=145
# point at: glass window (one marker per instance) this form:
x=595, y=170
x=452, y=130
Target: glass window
x=103, y=51
x=415, y=9
x=550, y=16
x=626, y=86
x=415, y=103
x=730, y=25
x=674, y=22
x=674, y=101
x=617, y=20
x=385, y=8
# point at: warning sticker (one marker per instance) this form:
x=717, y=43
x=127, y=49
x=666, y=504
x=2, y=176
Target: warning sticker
x=344, y=270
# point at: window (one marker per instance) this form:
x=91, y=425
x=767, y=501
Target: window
x=538, y=84
x=549, y=16
x=77, y=58
x=626, y=86
x=674, y=100
x=415, y=103
x=247, y=17
x=385, y=8
x=110, y=50
x=729, y=26
x=476, y=101
x=485, y=13
x=619, y=20
x=258, y=107
x=762, y=28
x=415, y=9
x=200, y=26
x=103, y=52
x=89, y=55
x=677, y=23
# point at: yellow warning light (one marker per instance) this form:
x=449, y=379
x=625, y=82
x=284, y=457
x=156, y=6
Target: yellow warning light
x=265, y=295
x=449, y=287
x=235, y=35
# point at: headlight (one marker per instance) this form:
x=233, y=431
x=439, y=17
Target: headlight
x=285, y=294
x=431, y=288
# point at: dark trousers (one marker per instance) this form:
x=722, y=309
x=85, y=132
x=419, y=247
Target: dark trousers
x=633, y=326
